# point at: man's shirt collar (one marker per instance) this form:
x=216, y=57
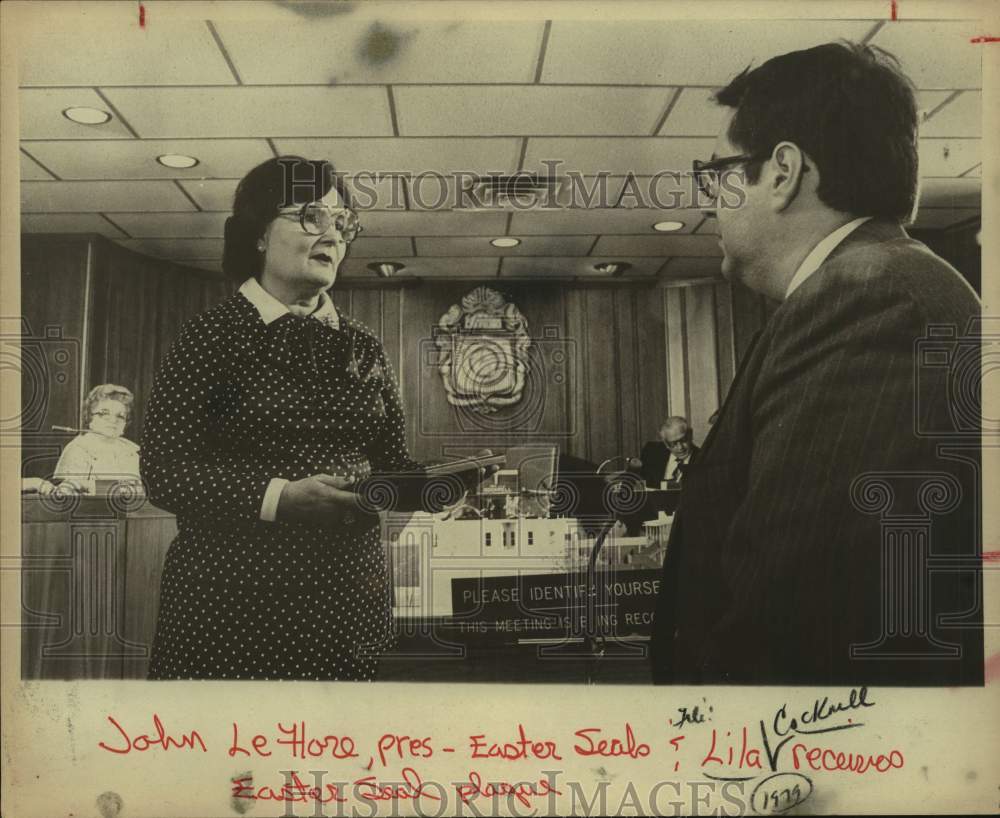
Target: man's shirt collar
x=811, y=263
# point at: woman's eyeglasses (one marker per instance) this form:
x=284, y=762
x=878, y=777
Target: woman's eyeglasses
x=317, y=218
x=104, y=414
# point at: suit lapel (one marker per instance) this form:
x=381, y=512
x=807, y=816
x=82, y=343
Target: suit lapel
x=737, y=379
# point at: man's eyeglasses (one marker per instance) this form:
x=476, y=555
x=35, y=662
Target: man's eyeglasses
x=317, y=218
x=707, y=173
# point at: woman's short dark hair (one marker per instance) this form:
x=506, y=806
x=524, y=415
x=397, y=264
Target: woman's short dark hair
x=850, y=108
x=280, y=182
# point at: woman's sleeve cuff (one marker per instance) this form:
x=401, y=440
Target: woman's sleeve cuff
x=269, y=508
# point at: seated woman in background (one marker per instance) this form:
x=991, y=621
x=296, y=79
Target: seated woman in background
x=100, y=453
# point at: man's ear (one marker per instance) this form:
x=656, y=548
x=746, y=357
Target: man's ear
x=788, y=163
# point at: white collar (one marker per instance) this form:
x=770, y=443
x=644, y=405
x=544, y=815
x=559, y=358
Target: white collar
x=811, y=263
x=271, y=309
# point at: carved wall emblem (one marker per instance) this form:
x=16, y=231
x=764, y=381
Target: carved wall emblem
x=483, y=345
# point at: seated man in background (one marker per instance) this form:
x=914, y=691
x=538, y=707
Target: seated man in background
x=663, y=461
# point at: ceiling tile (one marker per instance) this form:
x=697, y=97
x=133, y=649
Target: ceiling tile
x=381, y=247
x=69, y=223
x=697, y=114
x=370, y=191
x=927, y=101
x=529, y=246
x=426, y=267
x=436, y=192
x=245, y=112
x=31, y=170
x=679, y=52
x=171, y=225
x=92, y=197
x=948, y=157
x=411, y=155
x=367, y=192
x=709, y=227
x=642, y=156
x=568, y=266
x=662, y=246
x=691, y=267
x=211, y=194
x=136, y=159
x=963, y=116
x=346, y=50
x=694, y=114
x=593, y=222
x=935, y=54
x=528, y=109
x=167, y=52
x=42, y=117
x=451, y=223
x=965, y=192
x=180, y=248
x=938, y=218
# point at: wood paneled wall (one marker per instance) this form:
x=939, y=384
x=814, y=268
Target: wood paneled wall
x=137, y=307
x=610, y=362
x=95, y=313
x=54, y=276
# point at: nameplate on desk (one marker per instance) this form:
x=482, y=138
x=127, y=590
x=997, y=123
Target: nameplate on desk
x=553, y=606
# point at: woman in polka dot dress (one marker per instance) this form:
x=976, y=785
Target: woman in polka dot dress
x=263, y=411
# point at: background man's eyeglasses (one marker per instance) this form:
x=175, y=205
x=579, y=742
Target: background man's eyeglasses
x=316, y=219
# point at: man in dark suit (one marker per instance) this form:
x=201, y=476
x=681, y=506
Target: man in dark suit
x=828, y=533
x=664, y=461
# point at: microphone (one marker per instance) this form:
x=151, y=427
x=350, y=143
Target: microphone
x=627, y=462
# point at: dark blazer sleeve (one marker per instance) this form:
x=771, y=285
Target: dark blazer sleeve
x=801, y=564
x=178, y=458
x=654, y=461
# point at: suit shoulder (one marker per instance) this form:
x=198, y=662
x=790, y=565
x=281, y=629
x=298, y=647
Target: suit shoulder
x=907, y=269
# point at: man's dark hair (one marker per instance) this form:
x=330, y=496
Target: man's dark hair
x=284, y=181
x=850, y=108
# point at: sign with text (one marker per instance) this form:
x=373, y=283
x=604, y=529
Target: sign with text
x=553, y=606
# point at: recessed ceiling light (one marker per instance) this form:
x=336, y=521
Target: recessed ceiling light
x=176, y=160
x=668, y=227
x=87, y=116
x=505, y=242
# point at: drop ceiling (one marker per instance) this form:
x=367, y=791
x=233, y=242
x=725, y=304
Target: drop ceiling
x=426, y=98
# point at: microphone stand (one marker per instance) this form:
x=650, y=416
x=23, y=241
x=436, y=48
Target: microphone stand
x=594, y=632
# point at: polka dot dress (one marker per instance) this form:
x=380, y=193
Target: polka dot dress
x=236, y=403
